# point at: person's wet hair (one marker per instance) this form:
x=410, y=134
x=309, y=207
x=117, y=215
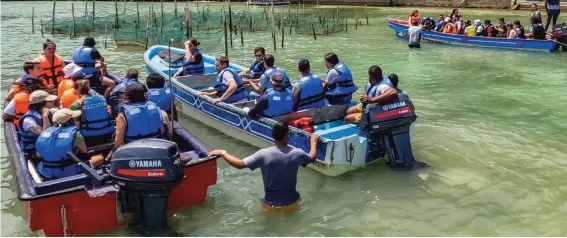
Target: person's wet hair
x=135, y=93
x=261, y=49
x=47, y=43
x=517, y=23
x=332, y=58
x=394, y=80
x=155, y=80
x=280, y=130
x=375, y=72
x=303, y=65
x=194, y=41
x=269, y=60
x=132, y=74
x=223, y=60
x=29, y=65
x=82, y=87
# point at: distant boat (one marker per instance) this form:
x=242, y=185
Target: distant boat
x=401, y=29
x=266, y=3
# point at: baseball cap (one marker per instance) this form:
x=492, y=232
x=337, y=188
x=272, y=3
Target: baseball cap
x=63, y=115
x=277, y=79
x=41, y=96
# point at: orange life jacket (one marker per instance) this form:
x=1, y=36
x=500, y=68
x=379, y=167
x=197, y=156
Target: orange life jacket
x=21, y=105
x=52, y=74
x=64, y=85
x=449, y=28
x=414, y=20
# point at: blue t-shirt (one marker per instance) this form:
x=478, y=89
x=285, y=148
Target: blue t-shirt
x=279, y=167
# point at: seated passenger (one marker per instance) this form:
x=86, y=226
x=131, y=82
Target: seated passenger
x=449, y=27
x=520, y=32
x=538, y=31
x=479, y=27
x=139, y=119
x=159, y=93
x=339, y=85
x=512, y=33
x=257, y=67
x=470, y=30
x=264, y=85
x=64, y=85
x=394, y=80
x=228, y=86
x=35, y=120
x=95, y=121
x=193, y=62
x=20, y=92
x=413, y=19
x=378, y=90
x=54, y=143
x=277, y=101
x=118, y=91
x=489, y=29
x=308, y=92
x=51, y=66
x=93, y=67
x=501, y=29
x=68, y=97
x=440, y=23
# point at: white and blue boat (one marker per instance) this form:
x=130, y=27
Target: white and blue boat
x=342, y=147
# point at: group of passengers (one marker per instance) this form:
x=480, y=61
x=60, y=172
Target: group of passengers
x=58, y=108
x=455, y=24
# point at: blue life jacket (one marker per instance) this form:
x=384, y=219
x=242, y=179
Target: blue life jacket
x=143, y=120
x=27, y=137
x=257, y=69
x=311, y=94
x=240, y=92
x=118, y=92
x=279, y=102
x=553, y=7
x=161, y=97
x=82, y=57
x=402, y=95
x=372, y=91
x=340, y=92
x=95, y=119
x=53, y=145
x=270, y=71
x=194, y=69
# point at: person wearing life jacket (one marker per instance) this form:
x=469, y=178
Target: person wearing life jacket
x=378, y=90
x=31, y=79
x=520, y=32
x=308, y=92
x=51, y=66
x=553, y=9
x=535, y=13
x=93, y=66
x=193, y=62
x=35, y=120
x=414, y=19
x=117, y=93
x=257, y=68
x=479, y=28
x=470, y=30
x=339, y=85
x=228, y=85
x=459, y=24
x=538, y=31
x=489, y=29
x=139, y=118
x=158, y=92
x=440, y=23
x=502, y=30
x=264, y=81
x=277, y=101
x=95, y=122
x=68, y=98
x=20, y=92
x=65, y=85
x=449, y=27
x=54, y=143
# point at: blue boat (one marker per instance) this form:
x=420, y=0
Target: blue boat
x=401, y=29
x=342, y=147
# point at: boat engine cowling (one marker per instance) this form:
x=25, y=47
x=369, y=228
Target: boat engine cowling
x=146, y=170
x=559, y=33
x=388, y=129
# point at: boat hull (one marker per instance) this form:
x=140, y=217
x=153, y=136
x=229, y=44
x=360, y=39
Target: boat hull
x=400, y=27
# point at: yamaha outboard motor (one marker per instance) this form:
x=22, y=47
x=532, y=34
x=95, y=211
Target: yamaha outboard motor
x=559, y=33
x=146, y=170
x=388, y=128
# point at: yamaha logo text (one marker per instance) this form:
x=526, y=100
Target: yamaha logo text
x=144, y=163
x=394, y=106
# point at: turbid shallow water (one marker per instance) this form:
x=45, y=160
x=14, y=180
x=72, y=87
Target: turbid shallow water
x=491, y=123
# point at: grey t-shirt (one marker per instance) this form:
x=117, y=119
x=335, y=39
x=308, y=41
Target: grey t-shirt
x=414, y=33
x=279, y=167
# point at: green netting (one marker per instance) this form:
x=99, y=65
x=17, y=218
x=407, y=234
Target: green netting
x=319, y=25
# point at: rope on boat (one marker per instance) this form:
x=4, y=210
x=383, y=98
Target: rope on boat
x=332, y=153
x=351, y=153
x=64, y=220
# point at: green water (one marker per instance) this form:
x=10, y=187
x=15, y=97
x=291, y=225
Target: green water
x=491, y=123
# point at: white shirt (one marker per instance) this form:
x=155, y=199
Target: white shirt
x=10, y=108
x=227, y=78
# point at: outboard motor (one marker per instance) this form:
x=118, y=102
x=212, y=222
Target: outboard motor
x=388, y=129
x=146, y=170
x=559, y=33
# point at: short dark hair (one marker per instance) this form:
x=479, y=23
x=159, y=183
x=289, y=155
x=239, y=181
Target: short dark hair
x=280, y=130
x=516, y=22
x=303, y=65
x=29, y=65
x=375, y=72
x=332, y=58
x=486, y=21
x=269, y=60
x=89, y=41
x=132, y=74
x=261, y=49
x=48, y=42
x=223, y=60
x=135, y=93
x=155, y=80
x=193, y=41
x=394, y=80
x=501, y=19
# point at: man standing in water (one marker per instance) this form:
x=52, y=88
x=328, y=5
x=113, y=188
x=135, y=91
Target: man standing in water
x=279, y=165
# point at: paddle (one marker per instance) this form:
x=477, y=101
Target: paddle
x=172, y=108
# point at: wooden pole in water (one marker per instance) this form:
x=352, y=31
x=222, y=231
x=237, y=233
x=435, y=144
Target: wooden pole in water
x=230, y=21
x=346, y=24
x=123, y=6
x=73, y=16
x=356, y=24
x=366, y=12
x=175, y=2
x=241, y=37
x=283, y=36
x=105, y=36
x=41, y=27
x=273, y=27
x=116, y=24
x=32, y=24
x=70, y=32
x=189, y=22
x=289, y=18
x=186, y=22
x=137, y=15
x=94, y=11
x=225, y=34
x=313, y=29
x=148, y=26
x=53, y=18
x=86, y=8
x=161, y=20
